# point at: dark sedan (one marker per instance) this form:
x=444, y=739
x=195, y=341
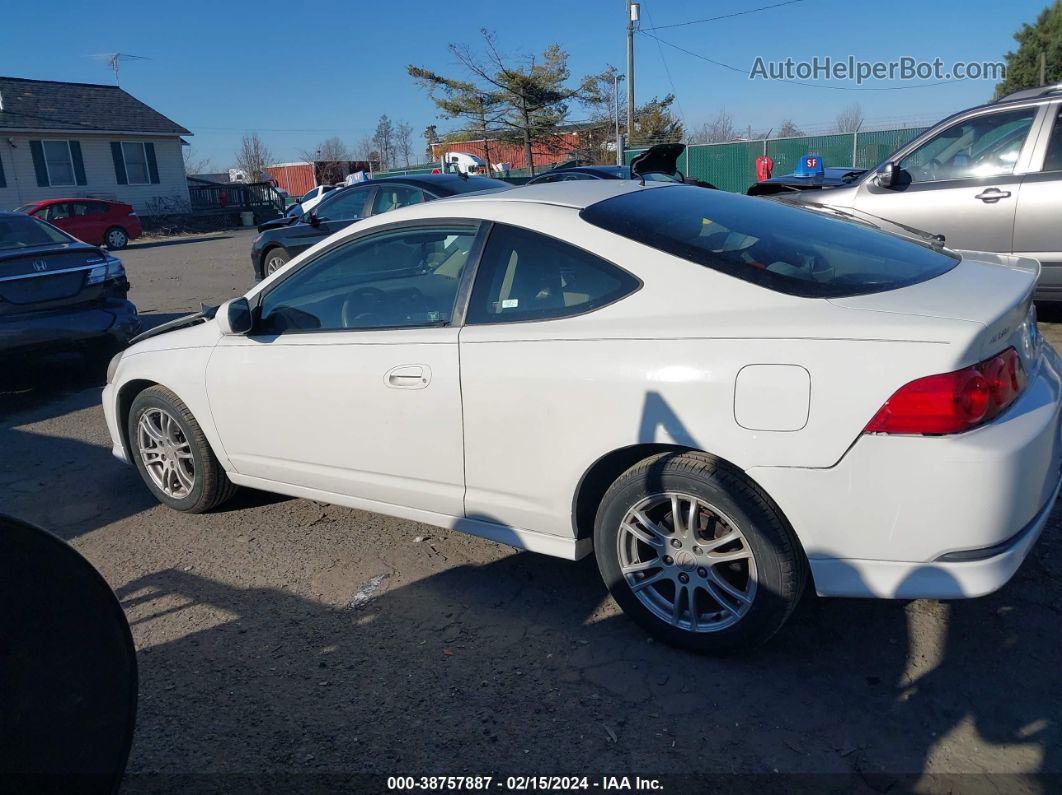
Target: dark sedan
x=59, y=293
x=833, y=177
x=279, y=242
x=657, y=164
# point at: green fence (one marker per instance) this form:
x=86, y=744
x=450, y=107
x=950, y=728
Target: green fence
x=732, y=166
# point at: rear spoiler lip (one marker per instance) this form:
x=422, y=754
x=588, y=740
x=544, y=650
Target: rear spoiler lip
x=194, y=319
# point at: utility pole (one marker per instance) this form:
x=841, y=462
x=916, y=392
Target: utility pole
x=615, y=101
x=632, y=18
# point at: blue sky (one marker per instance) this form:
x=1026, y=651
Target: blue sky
x=298, y=72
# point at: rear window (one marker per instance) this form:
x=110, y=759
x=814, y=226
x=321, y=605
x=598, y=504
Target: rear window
x=22, y=231
x=780, y=247
x=473, y=184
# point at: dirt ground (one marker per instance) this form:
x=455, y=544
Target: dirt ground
x=470, y=657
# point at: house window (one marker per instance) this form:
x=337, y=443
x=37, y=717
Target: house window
x=59, y=162
x=136, y=162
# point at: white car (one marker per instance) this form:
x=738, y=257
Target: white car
x=310, y=199
x=721, y=396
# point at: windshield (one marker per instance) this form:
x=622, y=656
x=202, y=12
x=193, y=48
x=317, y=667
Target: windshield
x=23, y=231
x=776, y=245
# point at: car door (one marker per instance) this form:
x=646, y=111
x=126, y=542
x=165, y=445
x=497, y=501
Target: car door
x=336, y=211
x=348, y=382
x=518, y=375
x=79, y=222
x=59, y=214
x=1037, y=227
x=961, y=183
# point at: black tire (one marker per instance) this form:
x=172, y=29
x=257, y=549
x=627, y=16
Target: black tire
x=275, y=258
x=780, y=565
x=115, y=238
x=211, y=486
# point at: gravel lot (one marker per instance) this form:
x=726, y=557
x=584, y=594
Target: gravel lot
x=472, y=657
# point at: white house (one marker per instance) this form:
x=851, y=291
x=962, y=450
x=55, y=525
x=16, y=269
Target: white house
x=61, y=140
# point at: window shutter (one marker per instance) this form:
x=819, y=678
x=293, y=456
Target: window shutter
x=3, y=179
x=37, y=150
x=153, y=164
x=79, y=163
x=119, y=163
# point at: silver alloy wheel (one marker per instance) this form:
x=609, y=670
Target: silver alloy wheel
x=687, y=562
x=275, y=263
x=166, y=453
x=116, y=238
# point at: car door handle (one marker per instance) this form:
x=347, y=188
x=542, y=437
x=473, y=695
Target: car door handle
x=408, y=376
x=992, y=195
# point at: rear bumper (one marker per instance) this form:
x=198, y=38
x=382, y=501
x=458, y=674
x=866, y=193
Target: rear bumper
x=936, y=517
x=113, y=319
x=937, y=580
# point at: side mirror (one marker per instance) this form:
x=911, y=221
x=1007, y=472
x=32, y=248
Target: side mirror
x=887, y=175
x=234, y=317
x=311, y=218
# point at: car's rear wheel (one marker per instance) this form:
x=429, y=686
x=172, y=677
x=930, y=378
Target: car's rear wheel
x=172, y=454
x=116, y=238
x=275, y=259
x=696, y=553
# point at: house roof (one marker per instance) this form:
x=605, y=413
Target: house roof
x=51, y=105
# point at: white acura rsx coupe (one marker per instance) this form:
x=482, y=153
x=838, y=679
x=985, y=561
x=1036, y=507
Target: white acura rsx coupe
x=720, y=396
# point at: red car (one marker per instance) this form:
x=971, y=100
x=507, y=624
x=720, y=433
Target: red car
x=95, y=221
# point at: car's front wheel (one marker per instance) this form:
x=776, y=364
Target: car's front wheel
x=172, y=454
x=695, y=553
x=275, y=259
x=116, y=238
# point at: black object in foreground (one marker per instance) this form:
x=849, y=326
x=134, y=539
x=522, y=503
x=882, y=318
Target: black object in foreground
x=68, y=667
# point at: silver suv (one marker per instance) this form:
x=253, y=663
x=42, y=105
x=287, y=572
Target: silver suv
x=988, y=179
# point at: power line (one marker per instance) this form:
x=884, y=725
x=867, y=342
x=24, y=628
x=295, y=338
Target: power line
x=667, y=71
x=726, y=16
x=794, y=82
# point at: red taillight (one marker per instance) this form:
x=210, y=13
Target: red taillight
x=953, y=402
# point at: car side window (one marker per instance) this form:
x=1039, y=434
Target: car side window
x=56, y=212
x=392, y=197
x=80, y=208
x=398, y=279
x=983, y=146
x=347, y=205
x=576, y=176
x=524, y=275
x=1053, y=158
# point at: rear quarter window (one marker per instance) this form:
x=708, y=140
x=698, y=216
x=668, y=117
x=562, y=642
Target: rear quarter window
x=780, y=247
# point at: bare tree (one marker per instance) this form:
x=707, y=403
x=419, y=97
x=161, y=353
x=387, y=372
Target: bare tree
x=332, y=149
x=194, y=164
x=789, y=129
x=252, y=157
x=330, y=159
x=850, y=119
x=404, y=142
x=718, y=129
x=365, y=151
